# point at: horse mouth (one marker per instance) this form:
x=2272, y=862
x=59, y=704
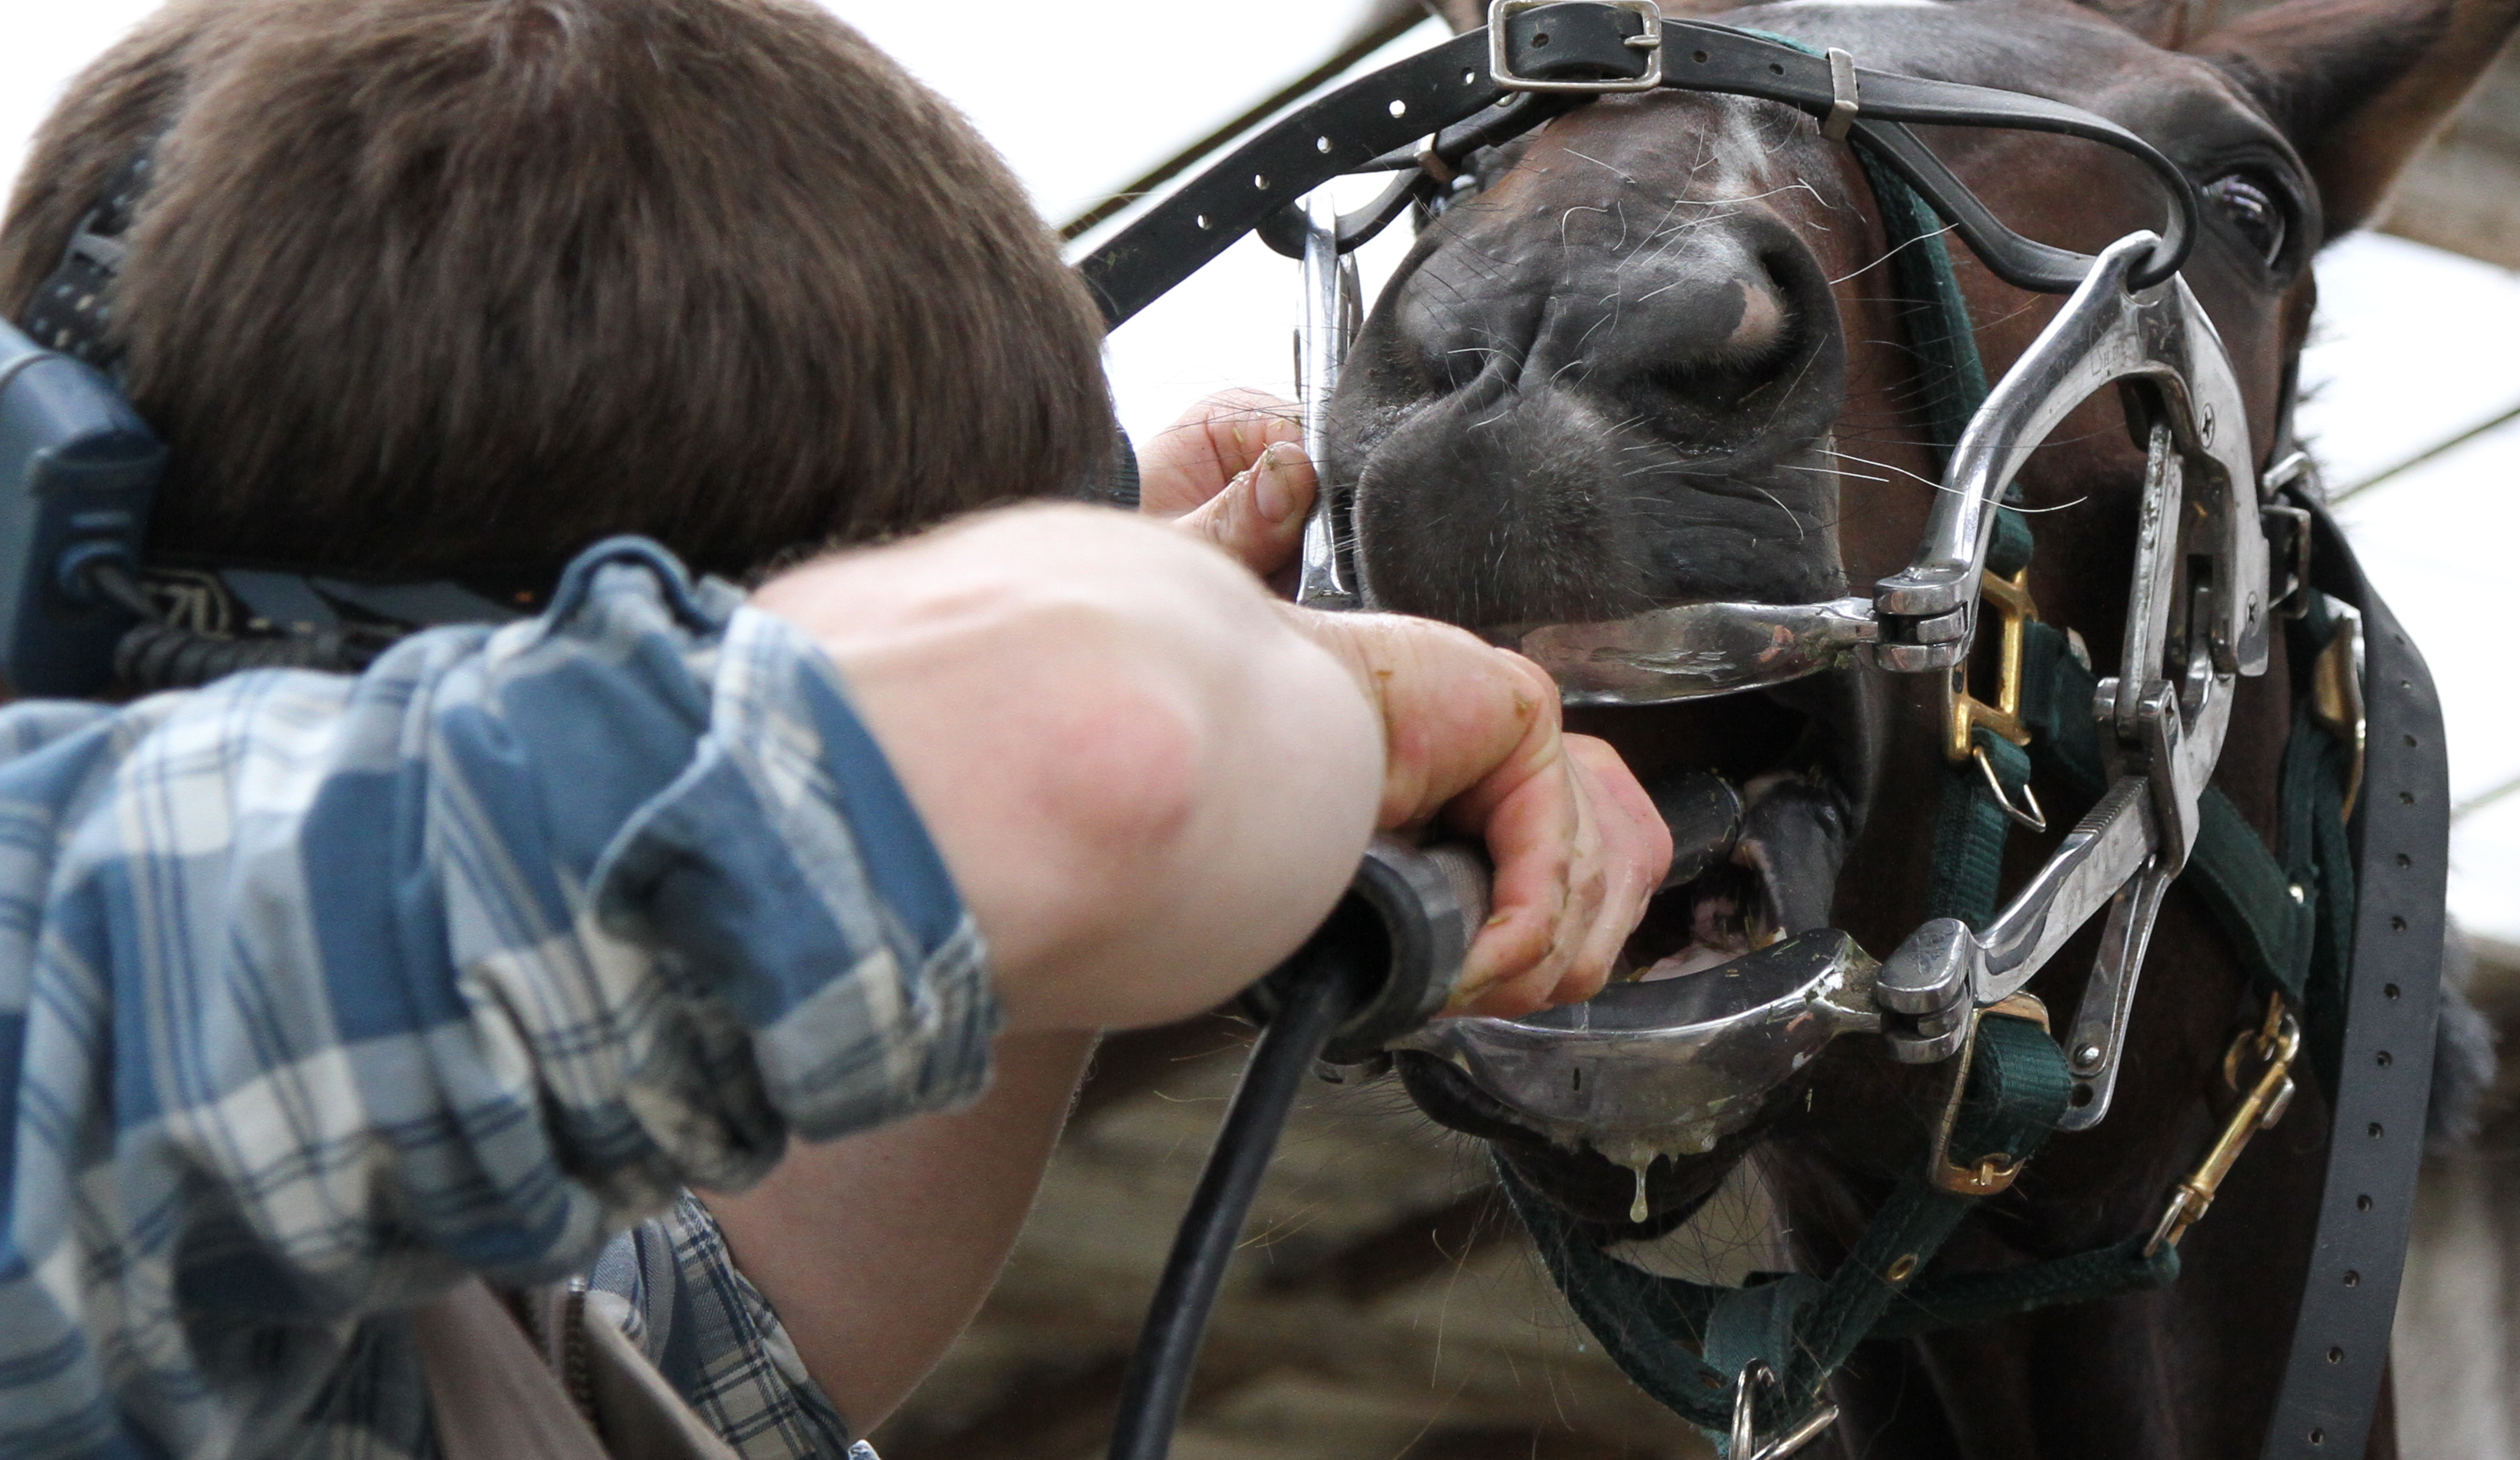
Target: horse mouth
x=1757, y=788
x=1750, y=788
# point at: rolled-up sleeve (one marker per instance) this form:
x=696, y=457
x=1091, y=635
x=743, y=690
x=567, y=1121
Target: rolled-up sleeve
x=316, y=991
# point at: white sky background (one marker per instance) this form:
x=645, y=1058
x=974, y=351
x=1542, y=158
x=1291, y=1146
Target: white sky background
x=2414, y=345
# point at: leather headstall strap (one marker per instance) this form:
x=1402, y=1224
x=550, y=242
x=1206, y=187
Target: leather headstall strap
x=1395, y=109
x=2383, y=1081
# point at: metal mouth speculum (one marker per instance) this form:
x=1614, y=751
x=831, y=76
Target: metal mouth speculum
x=1671, y=1067
x=1695, y=1060
x=2197, y=618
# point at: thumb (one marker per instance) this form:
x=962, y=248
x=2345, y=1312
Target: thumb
x=1258, y=520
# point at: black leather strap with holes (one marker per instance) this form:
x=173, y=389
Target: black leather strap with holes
x=2392, y=998
x=1421, y=96
x=1576, y=42
x=1327, y=139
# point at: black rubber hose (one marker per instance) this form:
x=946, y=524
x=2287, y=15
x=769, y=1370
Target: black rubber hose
x=1326, y=987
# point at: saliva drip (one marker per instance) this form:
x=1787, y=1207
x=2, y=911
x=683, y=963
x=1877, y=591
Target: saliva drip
x=1640, y=1208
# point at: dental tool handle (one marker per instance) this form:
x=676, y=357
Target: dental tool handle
x=1321, y=985
x=1410, y=915
x=1383, y=963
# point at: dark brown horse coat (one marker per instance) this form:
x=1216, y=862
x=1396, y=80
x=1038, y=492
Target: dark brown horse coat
x=1655, y=359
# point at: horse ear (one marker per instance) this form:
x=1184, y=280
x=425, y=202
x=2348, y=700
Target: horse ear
x=2359, y=85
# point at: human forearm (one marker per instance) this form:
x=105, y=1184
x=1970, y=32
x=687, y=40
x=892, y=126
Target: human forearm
x=1148, y=784
x=877, y=1249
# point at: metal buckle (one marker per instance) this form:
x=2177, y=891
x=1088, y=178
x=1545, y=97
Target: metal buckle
x=1994, y=1171
x=2336, y=699
x=1755, y=1376
x=1501, y=66
x=1966, y=711
x=1845, y=99
x=2277, y=1042
x=2013, y=604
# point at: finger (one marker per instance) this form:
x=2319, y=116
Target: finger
x=1475, y=731
x=1196, y=457
x=1258, y=520
x=1578, y=855
x=1535, y=836
x=1632, y=850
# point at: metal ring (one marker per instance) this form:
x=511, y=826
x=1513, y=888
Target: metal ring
x=1745, y=1430
x=2033, y=820
x=1745, y=1392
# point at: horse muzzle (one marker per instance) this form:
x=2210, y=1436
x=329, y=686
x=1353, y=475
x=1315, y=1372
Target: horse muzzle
x=1670, y=1066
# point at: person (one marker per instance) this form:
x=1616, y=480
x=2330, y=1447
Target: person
x=738, y=948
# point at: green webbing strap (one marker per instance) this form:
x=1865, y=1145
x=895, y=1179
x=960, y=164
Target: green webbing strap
x=1942, y=338
x=1971, y=830
x=1803, y=1326
x=2250, y=893
x=2318, y=857
x=1951, y=375
x=1966, y=1298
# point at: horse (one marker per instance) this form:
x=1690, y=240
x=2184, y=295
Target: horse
x=1651, y=353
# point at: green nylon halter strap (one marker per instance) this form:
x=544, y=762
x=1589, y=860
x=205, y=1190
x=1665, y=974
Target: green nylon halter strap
x=1655, y=1329
x=2289, y=921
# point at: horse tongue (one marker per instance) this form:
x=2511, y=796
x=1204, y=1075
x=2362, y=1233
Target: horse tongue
x=1704, y=814
x=1794, y=835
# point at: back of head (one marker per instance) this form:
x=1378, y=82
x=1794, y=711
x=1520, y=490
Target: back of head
x=455, y=287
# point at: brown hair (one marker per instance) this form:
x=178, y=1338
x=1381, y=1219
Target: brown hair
x=444, y=285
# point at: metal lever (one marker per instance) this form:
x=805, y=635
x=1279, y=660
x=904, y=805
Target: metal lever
x=2097, y=1039
x=2195, y=620
x=1331, y=315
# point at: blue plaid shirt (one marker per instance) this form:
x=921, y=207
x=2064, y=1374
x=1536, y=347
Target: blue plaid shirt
x=318, y=992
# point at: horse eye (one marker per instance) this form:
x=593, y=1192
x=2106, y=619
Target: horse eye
x=2258, y=217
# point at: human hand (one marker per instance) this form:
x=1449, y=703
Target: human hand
x=1565, y=823
x=1233, y=471
x=1472, y=737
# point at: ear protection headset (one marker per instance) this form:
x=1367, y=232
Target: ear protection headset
x=79, y=468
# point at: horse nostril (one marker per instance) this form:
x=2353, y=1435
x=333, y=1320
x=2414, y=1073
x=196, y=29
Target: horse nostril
x=1763, y=321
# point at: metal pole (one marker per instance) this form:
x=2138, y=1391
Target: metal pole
x=1330, y=286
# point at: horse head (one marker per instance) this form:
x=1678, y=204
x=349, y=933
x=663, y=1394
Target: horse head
x=1651, y=353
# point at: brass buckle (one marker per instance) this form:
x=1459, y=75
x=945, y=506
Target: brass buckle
x=1648, y=41
x=2277, y=1042
x=2336, y=699
x=2013, y=606
x=1994, y=1171
x=1966, y=711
